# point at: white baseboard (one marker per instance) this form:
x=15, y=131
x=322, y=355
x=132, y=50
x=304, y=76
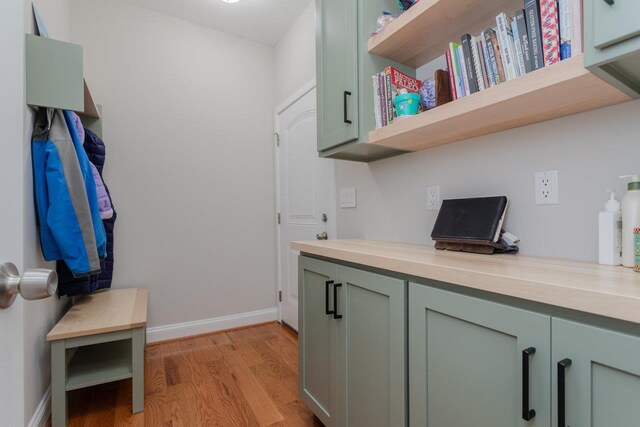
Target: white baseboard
x=180, y=330
x=41, y=416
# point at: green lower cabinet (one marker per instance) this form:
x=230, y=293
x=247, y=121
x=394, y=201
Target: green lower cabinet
x=468, y=362
x=318, y=334
x=601, y=373
x=372, y=350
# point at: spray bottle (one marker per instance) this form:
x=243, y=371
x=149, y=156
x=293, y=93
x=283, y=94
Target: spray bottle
x=610, y=232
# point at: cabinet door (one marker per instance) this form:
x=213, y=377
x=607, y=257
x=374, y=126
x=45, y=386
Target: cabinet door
x=317, y=339
x=337, y=72
x=602, y=382
x=467, y=362
x=372, y=352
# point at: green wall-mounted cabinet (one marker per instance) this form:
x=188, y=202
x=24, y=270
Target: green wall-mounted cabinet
x=612, y=42
x=344, y=69
x=54, y=74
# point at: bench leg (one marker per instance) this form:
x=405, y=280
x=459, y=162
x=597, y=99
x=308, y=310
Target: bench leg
x=58, y=384
x=137, y=347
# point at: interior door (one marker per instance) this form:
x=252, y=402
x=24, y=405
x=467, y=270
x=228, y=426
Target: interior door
x=12, y=163
x=473, y=362
x=306, y=194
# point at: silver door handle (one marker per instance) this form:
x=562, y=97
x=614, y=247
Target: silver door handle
x=36, y=283
x=322, y=236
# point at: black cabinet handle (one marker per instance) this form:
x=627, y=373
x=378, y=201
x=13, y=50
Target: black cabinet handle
x=346, y=106
x=335, y=301
x=326, y=296
x=527, y=414
x=609, y=2
x=562, y=366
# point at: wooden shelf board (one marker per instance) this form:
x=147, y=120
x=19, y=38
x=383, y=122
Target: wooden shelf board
x=559, y=90
x=424, y=32
x=99, y=364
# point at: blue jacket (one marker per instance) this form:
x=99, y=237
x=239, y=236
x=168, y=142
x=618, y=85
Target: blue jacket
x=65, y=192
x=67, y=284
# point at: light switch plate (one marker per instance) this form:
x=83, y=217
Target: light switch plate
x=348, y=197
x=546, y=188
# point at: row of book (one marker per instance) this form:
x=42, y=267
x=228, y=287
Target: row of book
x=541, y=34
x=386, y=85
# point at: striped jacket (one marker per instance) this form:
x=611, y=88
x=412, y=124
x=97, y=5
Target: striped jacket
x=65, y=192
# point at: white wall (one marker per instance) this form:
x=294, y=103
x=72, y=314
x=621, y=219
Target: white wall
x=39, y=316
x=296, y=55
x=589, y=150
x=188, y=123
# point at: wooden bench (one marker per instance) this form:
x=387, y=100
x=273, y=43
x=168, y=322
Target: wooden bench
x=99, y=340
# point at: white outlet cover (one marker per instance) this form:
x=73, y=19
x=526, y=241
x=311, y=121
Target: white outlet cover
x=433, y=198
x=348, y=197
x=546, y=188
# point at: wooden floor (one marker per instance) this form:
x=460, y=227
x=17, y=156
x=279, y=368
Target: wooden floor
x=245, y=377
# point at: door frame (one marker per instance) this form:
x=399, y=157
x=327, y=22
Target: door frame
x=333, y=228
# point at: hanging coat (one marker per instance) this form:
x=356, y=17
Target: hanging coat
x=67, y=284
x=65, y=193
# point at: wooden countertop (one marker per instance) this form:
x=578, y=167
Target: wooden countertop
x=607, y=291
x=101, y=312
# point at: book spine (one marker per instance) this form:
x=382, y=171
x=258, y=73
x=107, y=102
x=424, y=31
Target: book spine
x=470, y=70
x=452, y=83
x=523, y=39
x=518, y=48
x=383, y=99
x=505, y=49
x=456, y=69
x=550, y=31
x=463, y=72
x=496, y=51
x=532, y=11
x=487, y=59
x=576, y=27
x=477, y=63
x=565, y=21
x=376, y=102
x=390, y=107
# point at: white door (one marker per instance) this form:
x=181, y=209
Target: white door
x=306, y=192
x=12, y=170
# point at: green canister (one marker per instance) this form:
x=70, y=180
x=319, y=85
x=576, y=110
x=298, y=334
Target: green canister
x=636, y=239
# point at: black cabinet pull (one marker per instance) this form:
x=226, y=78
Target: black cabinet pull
x=562, y=366
x=335, y=301
x=609, y=2
x=346, y=106
x=326, y=296
x=527, y=414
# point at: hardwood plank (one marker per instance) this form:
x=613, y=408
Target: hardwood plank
x=249, y=354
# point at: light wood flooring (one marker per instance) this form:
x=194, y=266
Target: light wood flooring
x=244, y=377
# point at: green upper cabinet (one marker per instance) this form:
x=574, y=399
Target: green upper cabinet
x=612, y=42
x=475, y=363
x=372, y=350
x=337, y=72
x=596, y=378
x=344, y=69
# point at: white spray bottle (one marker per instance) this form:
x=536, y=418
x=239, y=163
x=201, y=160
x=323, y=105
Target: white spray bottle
x=630, y=219
x=610, y=232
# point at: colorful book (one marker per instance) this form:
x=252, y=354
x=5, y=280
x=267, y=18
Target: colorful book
x=487, y=60
x=507, y=48
x=383, y=99
x=452, y=83
x=396, y=80
x=518, y=47
x=376, y=102
x=532, y=11
x=576, y=27
x=550, y=31
x=464, y=83
x=486, y=80
x=496, y=58
x=470, y=69
x=523, y=40
x=477, y=59
x=453, y=49
x=391, y=109
x=565, y=22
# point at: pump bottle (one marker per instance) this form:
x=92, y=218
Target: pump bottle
x=610, y=232
x=630, y=219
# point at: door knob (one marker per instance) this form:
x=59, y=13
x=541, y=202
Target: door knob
x=322, y=236
x=36, y=283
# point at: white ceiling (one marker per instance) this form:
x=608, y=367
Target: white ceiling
x=264, y=21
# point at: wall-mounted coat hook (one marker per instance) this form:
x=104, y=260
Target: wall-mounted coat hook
x=36, y=283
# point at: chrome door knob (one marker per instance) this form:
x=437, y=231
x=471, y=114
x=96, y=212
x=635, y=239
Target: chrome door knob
x=322, y=236
x=36, y=283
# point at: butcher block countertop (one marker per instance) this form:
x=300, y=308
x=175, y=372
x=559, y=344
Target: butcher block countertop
x=602, y=290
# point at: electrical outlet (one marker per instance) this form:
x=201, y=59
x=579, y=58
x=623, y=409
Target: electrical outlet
x=433, y=198
x=547, y=188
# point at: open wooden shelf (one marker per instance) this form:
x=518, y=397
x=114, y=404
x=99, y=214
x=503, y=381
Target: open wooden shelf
x=424, y=32
x=559, y=90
